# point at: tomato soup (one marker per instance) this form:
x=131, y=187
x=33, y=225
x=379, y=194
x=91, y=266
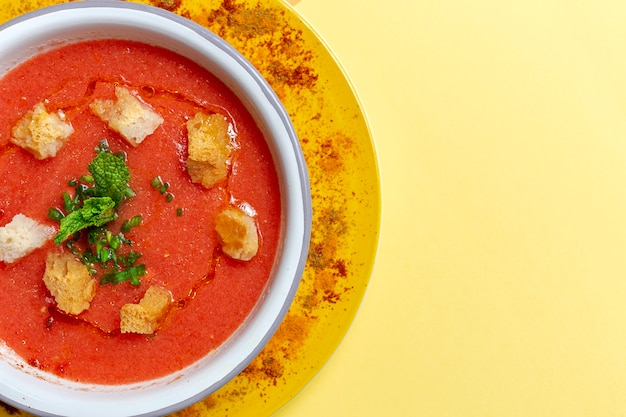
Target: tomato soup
x=212, y=293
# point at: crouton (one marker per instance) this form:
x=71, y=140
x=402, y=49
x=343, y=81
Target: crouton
x=41, y=133
x=237, y=233
x=133, y=119
x=209, y=148
x=21, y=236
x=69, y=282
x=145, y=317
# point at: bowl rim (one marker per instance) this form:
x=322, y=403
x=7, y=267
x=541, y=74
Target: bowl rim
x=36, y=391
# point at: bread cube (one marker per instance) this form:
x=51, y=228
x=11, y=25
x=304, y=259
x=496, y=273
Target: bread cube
x=209, y=148
x=133, y=119
x=145, y=317
x=237, y=233
x=69, y=282
x=41, y=133
x=21, y=236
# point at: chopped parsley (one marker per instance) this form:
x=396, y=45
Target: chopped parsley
x=86, y=214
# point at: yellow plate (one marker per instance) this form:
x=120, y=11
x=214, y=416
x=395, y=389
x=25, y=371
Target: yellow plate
x=345, y=189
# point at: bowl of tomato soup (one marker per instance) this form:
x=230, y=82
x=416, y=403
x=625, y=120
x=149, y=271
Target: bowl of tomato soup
x=155, y=211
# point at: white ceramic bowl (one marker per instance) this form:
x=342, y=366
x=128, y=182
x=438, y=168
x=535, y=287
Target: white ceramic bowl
x=41, y=393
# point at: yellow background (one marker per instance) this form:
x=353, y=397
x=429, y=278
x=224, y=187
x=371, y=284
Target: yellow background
x=500, y=284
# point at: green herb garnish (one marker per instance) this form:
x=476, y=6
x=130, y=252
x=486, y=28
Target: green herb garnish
x=162, y=187
x=89, y=211
x=55, y=214
x=156, y=183
x=130, y=223
x=131, y=274
x=111, y=176
x=96, y=211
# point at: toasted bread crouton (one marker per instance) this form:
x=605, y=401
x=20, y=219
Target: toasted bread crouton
x=209, y=147
x=128, y=116
x=69, y=282
x=238, y=234
x=145, y=317
x=41, y=133
x=21, y=236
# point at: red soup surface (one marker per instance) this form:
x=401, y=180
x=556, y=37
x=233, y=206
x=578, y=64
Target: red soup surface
x=212, y=293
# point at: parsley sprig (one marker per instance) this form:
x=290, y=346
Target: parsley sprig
x=86, y=215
